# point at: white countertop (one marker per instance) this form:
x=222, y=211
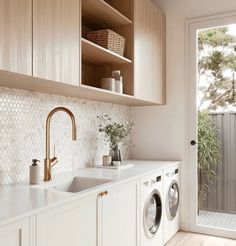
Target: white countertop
x=19, y=201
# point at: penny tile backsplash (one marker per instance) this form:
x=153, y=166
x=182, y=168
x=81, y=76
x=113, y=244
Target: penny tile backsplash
x=22, y=132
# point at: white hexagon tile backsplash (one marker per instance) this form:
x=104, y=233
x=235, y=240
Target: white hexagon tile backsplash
x=22, y=132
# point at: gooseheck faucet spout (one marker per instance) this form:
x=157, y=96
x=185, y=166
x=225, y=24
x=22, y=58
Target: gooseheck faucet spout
x=48, y=161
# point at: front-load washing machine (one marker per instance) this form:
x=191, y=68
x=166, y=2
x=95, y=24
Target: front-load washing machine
x=152, y=210
x=171, y=202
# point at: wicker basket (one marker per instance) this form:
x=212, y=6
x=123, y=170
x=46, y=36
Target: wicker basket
x=108, y=39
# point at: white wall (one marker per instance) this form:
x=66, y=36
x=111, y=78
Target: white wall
x=161, y=132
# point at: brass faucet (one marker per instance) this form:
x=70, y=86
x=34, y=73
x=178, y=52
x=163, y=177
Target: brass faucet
x=48, y=161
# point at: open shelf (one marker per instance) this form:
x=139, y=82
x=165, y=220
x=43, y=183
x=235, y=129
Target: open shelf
x=99, y=11
x=99, y=62
x=96, y=54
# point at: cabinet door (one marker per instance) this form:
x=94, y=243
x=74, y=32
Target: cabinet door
x=15, y=234
x=119, y=216
x=56, y=40
x=74, y=224
x=143, y=87
x=16, y=36
x=149, y=52
x=159, y=54
x=87, y=221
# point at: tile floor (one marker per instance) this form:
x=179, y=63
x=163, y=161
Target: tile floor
x=217, y=219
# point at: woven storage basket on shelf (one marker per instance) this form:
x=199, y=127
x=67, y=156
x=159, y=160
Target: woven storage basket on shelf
x=108, y=39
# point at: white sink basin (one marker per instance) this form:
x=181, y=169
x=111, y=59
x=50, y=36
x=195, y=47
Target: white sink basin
x=78, y=184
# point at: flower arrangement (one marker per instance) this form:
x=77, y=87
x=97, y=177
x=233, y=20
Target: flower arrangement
x=115, y=133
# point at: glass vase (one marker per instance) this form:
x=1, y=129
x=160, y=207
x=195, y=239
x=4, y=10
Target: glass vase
x=115, y=154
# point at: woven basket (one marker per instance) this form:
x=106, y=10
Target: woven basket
x=108, y=39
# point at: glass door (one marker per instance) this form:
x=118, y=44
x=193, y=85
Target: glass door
x=216, y=114
x=212, y=125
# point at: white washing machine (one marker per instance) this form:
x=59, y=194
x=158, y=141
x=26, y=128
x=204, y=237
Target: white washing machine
x=171, y=202
x=152, y=210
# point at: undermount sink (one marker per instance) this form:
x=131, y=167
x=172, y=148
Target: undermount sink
x=78, y=184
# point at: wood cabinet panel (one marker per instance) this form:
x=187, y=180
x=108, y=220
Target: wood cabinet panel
x=159, y=55
x=142, y=50
x=149, y=52
x=16, y=36
x=56, y=40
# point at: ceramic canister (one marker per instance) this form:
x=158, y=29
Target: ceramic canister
x=108, y=84
x=106, y=160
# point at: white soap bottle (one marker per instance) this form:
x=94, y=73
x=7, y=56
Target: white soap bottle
x=34, y=172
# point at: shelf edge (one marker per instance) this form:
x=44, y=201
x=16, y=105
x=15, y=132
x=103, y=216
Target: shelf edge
x=29, y=83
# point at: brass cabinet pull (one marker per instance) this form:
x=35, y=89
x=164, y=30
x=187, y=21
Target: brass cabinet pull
x=104, y=193
x=101, y=194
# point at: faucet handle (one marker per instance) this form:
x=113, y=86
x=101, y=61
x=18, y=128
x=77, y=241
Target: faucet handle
x=54, y=161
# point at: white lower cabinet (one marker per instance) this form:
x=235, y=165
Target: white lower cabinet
x=74, y=224
x=103, y=219
x=15, y=234
x=119, y=216
x=107, y=218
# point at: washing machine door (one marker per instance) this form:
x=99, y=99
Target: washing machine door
x=152, y=213
x=172, y=201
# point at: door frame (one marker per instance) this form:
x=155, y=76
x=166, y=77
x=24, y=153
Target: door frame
x=191, y=27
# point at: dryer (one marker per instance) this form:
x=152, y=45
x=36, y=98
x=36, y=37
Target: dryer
x=171, y=202
x=152, y=210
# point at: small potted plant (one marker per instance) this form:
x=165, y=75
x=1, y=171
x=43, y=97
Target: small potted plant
x=115, y=133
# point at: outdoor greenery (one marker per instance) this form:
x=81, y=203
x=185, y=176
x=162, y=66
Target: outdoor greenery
x=208, y=153
x=216, y=69
x=216, y=91
x=115, y=133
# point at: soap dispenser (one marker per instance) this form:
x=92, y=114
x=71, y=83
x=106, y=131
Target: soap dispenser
x=35, y=172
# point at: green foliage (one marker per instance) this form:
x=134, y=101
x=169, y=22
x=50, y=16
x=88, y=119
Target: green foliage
x=209, y=152
x=217, y=54
x=115, y=133
x=214, y=37
x=215, y=63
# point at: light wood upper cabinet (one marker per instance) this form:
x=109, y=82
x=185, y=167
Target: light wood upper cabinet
x=149, y=52
x=42, y=41
x=159, y=55
x=16, y=36
x=56, y=40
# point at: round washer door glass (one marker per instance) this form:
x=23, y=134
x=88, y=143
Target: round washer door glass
x=173, y=200
x=152, y=213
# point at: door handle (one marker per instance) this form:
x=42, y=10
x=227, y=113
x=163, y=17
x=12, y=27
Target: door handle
x=193, y=142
